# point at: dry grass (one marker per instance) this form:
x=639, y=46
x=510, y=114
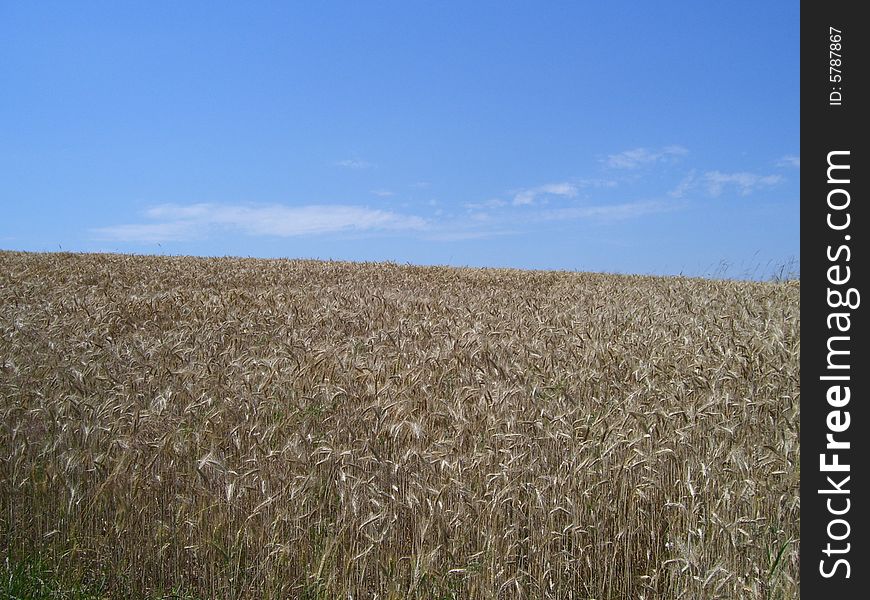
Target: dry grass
x=300, y=429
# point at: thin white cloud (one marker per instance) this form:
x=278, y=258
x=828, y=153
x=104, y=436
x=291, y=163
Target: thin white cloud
x=745, y=183
x=457, y=235
x=566, y=189
x=486, y=204
x=383, y=193
x=176, y=211
x=512, y=220
x=714, y=183
x=598, y=183
x=626, y=210
x=354, y=163
x=637, y=157
x=185, y=222
x=529, y=196
x=524, y=198
x=789, y=160
x=149, y=232
x=688, y=183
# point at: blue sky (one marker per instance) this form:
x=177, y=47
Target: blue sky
x=624, y=137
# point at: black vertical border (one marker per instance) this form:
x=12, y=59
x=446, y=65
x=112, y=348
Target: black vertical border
x=826, y=128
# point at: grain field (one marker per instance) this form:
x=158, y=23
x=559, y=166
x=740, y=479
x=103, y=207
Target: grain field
x=246, y=428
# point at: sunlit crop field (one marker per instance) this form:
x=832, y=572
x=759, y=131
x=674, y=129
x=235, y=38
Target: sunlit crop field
x=243, y=428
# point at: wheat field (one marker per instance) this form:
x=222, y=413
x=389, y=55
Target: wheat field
x=247, y=428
